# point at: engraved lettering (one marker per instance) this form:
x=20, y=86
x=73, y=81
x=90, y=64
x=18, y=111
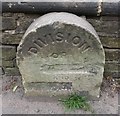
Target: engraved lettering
x=76, y=41
x=81, y=44
x=54, y=55
x=33, y=50
x=42, y=41
x=59, y=37
x=61, y=51
x=84, y=46
x=38, y=44
x=63, y=54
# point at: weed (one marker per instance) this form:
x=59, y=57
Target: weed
x=74, y=102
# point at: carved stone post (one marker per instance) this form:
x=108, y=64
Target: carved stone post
x=59, y=54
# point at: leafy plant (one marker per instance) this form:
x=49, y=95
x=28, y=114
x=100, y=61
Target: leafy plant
x=75, y=101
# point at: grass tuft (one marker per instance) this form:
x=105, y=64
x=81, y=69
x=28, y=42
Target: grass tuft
x=74, y=102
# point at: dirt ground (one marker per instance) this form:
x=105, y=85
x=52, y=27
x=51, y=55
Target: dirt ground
x=14, y=102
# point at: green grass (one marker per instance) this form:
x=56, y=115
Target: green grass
x=74, y=102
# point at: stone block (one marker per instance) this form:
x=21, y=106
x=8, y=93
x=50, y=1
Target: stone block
x=12, y=71
x=8, y=23
x=24, y=21
x=7, y=63
x=8, y=52
x=105, y=26
x=11, y=38
x=50, y=88
x=112, y=74
x=109, y=18
x=61, y=48
x=112, y=67
x=112, y=55
x=110, y=42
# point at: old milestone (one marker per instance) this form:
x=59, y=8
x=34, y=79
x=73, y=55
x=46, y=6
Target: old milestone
x=59, y=54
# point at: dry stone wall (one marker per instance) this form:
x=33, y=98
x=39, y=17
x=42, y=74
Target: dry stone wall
x=14, y=26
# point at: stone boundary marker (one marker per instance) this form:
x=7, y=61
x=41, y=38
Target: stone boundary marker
x=61, y=53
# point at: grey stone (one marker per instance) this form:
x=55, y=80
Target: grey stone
x=110, y=42
x=8, y=52
x=112, y=74
x=112, y=67
x=7, y=63
x=8, y=23
x=12, y=72
x=105, y=26
x=24, y=21
x=112, y=55
x=61, y=47
x=12, y=39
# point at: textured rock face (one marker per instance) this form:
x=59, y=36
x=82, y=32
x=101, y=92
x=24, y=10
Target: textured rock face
x=61, y=53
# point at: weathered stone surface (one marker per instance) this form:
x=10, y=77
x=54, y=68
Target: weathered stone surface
x=105, y=26
x=8, y=52
x=112, y=67
x=110, y=42
x=24, y=21
x=112, y=74
x=12, y=72
x=109, y=18
x=112, y=55
x=8, y=23
x=11, y=38
x=49, y=88
x=61, y=47
x=7, y=63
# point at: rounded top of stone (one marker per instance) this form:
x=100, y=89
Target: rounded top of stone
x=61, y=17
